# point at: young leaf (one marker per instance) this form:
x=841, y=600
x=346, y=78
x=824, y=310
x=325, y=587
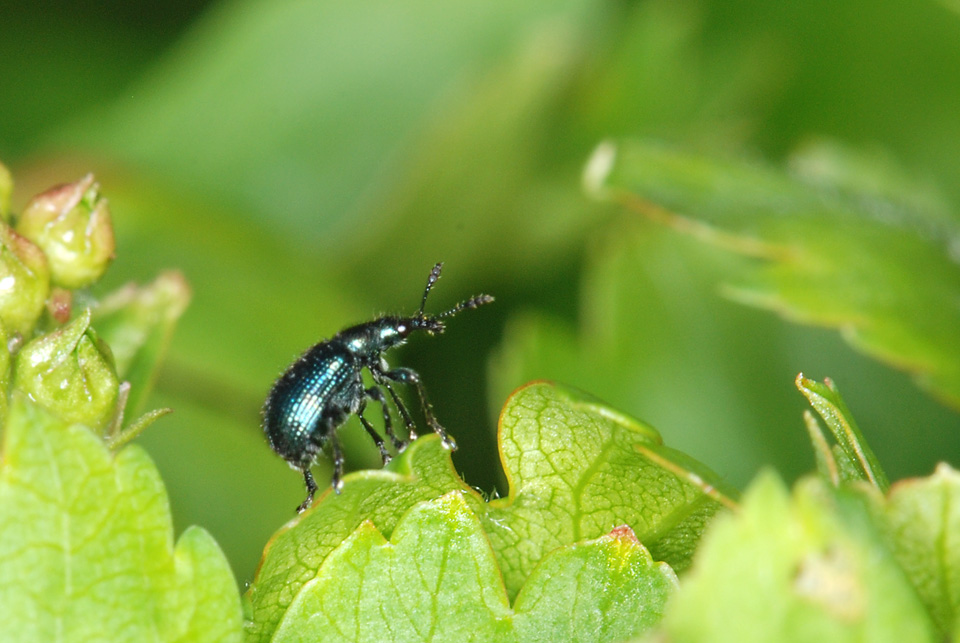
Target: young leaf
x=437, y=579
x=608, y=588
x=852, y=458
x=841, y=253
x=576, y=468
x=804, y=568
x=86, y=544
x=826, y=455
x=922, y=520
x=295, y=553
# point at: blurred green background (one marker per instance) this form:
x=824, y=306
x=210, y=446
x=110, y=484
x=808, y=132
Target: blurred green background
x=305, y=164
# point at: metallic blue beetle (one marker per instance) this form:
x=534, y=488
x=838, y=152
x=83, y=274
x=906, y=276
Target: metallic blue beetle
x=319, y=391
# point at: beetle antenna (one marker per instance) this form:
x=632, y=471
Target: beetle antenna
x=432, y=279
x=473, y=302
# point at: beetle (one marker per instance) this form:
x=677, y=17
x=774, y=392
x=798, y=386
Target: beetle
x=319, y=391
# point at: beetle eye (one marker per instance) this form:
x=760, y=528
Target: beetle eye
x=401, y=329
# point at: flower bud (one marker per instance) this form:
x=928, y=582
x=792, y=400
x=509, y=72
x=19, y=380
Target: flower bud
x=4, y=377
x=71, y=224
x=138, y=323
x=24, y=281
x=70, y=372
x=6, y=187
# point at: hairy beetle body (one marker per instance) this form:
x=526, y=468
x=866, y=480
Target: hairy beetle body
x=319, y=391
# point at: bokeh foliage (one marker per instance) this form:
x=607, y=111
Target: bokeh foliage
x=304, y=164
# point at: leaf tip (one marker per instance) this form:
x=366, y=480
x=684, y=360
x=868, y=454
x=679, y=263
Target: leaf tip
x=945, y=470
x=624, y=533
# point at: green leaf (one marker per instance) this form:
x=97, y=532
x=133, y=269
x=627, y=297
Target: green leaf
x=86, y=544
x=851, y=458
x=295, y=553
x=852, y=252
x=826, y=456
x=208, y=592
x=608, y=586
x=810, y=567
x=922, y=520
x=576, y=469
x=437, y=579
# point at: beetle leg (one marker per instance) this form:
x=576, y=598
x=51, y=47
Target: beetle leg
x=384, y=454
x=376, y=395
x=402, y=408
x=409, y=376
x=311, y=489
x=337, y=455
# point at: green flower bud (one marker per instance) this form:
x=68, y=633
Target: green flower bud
x=71, y=224
x=4, y=377
x=138, y=323
x=24, y=282
x=6, y=187
x=70, y=371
